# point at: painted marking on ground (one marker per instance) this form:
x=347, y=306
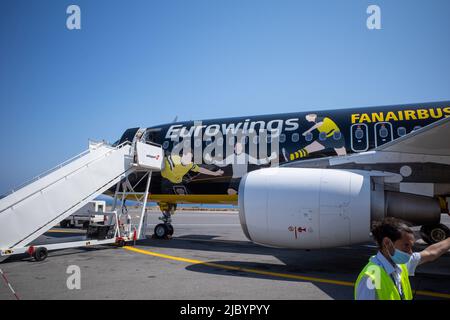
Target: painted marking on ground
x=269, y=273
x=9, y=284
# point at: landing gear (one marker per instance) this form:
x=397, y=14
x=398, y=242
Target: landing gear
x=434, y=233
x=165, y=230
x=170, y=228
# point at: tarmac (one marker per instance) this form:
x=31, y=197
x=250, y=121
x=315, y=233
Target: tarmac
x=207, y=258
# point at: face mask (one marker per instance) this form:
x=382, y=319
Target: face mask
x=400, y=257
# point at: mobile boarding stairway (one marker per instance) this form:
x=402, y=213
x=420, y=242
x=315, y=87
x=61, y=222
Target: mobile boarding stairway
x=32, y=210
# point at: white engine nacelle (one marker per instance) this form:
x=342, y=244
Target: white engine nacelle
x=305, y=208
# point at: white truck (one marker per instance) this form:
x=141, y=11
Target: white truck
x=92, y=212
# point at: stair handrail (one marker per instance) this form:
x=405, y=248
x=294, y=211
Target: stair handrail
x=46, y=173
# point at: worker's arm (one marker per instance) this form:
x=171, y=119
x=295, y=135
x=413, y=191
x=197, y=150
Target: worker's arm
x=434, y=251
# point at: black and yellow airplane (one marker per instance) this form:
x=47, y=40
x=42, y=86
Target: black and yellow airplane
x=310, y=179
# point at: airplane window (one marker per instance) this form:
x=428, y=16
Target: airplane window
x=322, y=136
x=165, y=145
x=337, y=135
x=309, y=136
x=197, y=143
x=383, y=132
x=401, y=131
x=417, y=128
x=255, y=139
x=282, y=138
x=295, y=137
x=359, y=134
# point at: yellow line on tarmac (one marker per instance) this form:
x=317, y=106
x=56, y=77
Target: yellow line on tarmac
x=250, y=270
x=268, y=273
x=433, y=294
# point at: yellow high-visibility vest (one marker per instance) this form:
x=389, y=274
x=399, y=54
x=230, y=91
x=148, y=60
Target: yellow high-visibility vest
x=385, y=286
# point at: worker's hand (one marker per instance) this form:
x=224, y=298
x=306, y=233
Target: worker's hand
x=218, y=173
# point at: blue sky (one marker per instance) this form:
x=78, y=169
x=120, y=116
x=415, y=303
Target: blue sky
x=141, y=63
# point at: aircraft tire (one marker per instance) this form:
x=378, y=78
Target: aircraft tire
x=161, y=231
x=432, y=234
x=170, y=229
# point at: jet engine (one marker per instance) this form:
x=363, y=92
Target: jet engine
x=321, y=208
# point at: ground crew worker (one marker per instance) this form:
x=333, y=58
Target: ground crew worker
x=386, y=276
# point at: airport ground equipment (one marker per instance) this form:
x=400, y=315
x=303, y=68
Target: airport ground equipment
x=92, y=212
x=36, y=207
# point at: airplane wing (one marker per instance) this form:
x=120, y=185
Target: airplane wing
x=433, y=139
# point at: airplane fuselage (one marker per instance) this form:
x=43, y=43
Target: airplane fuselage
x=220, y=151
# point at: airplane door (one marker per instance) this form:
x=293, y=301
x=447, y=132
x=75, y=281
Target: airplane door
x=383, y=133
x=360, y=138
x=153, y=135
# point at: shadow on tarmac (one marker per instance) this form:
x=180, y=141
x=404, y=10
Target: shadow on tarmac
x=340, y=264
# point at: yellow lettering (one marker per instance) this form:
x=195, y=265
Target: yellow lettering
x=355, y=117
x=422, y=114
x=410, y=115
x=364, y=118
x=400, y=115
x=436, y=115
x=447, y=111
x=390, y=115
x=378, y=117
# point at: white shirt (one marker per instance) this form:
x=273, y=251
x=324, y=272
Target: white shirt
x=366, y=292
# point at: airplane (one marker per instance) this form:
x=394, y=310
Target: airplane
x=309, y=180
